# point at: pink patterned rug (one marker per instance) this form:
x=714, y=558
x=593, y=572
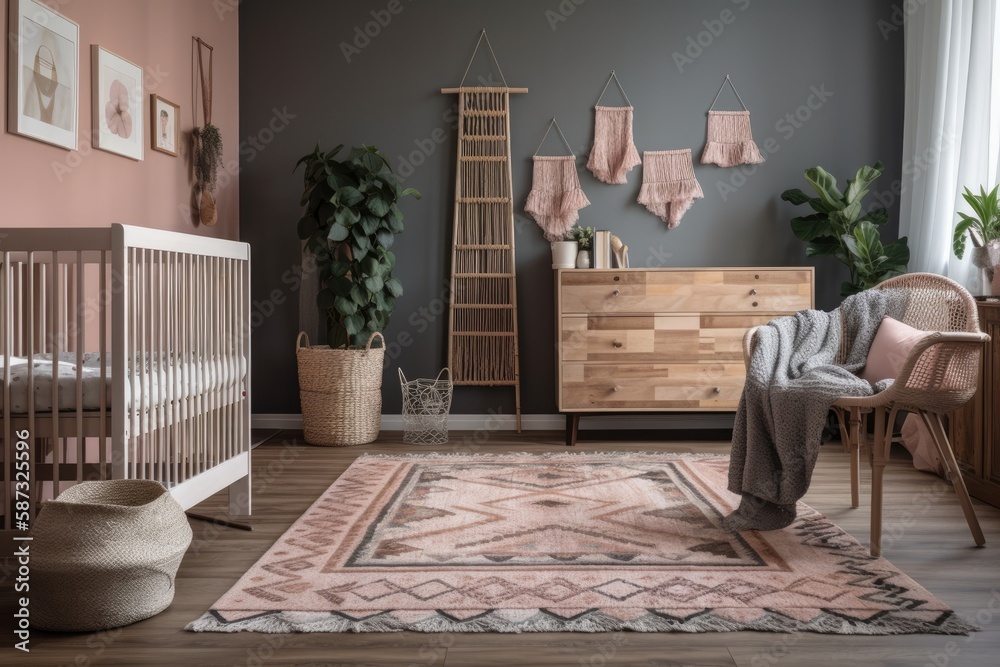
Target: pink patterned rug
x=563, y=542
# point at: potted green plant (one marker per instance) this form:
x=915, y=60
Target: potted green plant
x=840, y=228
x=350, y=221
x=984, y=230
x=584, y=237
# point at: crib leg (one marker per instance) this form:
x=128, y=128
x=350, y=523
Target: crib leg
x=239, y=497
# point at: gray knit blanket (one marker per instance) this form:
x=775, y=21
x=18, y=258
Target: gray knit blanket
x=792, y=381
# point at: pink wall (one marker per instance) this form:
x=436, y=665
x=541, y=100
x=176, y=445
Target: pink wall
x=44, y=185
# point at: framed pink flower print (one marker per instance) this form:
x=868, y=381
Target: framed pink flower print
x=118, y=116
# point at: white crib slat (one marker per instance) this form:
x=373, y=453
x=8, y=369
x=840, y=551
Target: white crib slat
x=81, y=441
x=163, y=349
x=35, y=489
x=149, y=397
x=122, y=313
x=162, y=295
x=156, y=297
x=186, y=368
x=17, y=298
x=211, y=442
x=244, y=356
x=6, y=302
x=175, y=344
x=215, y=322
x=199, y=362
x=227, y=358
x=50, y=336
x=133, y=364
x=167, y=348
x=143, y=435
x=102, y=301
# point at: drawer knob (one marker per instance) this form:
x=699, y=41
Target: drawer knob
x=616, y=293
x=617, y=344
x=753, y=292
x=617, y=388
x=756, y=276
x=718, y=390
x=755, y=304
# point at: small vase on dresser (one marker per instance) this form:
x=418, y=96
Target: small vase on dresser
x=583, y=259
x=564, y=254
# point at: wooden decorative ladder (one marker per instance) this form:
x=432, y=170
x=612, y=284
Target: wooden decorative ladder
x=482, y=322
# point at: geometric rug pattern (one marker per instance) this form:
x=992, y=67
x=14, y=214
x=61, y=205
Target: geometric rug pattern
x=562, y=542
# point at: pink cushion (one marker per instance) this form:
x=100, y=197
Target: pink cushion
x=919, y=442
x=892, y=344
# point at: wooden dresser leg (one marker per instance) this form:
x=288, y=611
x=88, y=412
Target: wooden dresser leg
x=572, y=428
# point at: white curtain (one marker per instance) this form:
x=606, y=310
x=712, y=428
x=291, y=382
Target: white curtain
x=951, y=130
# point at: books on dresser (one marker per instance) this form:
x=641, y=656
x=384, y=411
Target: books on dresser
x=602, y=249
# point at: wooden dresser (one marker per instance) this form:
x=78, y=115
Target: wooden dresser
x=662, y=340
x=975, y=430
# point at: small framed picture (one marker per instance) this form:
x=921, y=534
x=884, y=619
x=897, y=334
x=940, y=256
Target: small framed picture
x=165, y=132
x=43, y=83
x=117, y=97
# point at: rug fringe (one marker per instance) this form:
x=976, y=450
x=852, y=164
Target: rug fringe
x=543, y=620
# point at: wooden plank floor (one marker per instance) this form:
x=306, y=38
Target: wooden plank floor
x=926, y=537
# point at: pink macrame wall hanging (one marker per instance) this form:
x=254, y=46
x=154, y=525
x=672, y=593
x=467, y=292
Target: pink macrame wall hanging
x=614, y=153
x=669, y=186
x=556, y=198
x=730, y=141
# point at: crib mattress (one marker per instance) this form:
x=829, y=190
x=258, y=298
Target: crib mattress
x=187, y=378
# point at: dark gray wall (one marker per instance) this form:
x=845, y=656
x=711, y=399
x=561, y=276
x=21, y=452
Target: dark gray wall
x=297, y=89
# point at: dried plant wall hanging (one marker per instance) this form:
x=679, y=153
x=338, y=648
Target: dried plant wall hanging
x=669, y=186
x=730, y=141
x=556, y=198
x=207, y=145
x=614, y=154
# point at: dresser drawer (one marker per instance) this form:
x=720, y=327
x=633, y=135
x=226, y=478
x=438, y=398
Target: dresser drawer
x=703, y=386
x=662, y=339
x=685, y=291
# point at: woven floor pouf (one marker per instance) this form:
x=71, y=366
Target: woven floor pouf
x=105, y=555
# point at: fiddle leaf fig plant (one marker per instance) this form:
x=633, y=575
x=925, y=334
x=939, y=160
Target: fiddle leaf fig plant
x=350, y=221
x=840, y=228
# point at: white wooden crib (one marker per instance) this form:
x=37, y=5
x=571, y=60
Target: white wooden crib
x=150, y=335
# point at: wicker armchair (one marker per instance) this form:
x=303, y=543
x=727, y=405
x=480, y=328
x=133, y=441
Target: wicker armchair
x=939, y=376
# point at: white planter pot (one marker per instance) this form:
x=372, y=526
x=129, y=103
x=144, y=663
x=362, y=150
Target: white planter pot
x=564, y=254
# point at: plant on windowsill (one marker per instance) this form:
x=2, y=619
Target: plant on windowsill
x=840, y=228
x=351, y=220
x=984, y=230
x=584, y=237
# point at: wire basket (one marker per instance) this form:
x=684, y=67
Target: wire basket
x=426, y=404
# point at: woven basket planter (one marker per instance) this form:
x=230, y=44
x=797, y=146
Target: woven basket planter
x=341, y=392
x=105, y=554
